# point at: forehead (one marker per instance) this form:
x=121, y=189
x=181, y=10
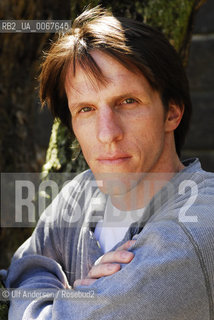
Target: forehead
x=112, y=74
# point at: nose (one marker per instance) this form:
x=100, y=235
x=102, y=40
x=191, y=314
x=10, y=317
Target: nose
x=109, y=128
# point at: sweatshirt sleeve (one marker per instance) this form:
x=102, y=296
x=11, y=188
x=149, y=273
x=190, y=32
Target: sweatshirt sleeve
x=36, y=265
x=165, y=281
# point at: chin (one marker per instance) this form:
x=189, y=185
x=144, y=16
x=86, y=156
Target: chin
x=117, y=183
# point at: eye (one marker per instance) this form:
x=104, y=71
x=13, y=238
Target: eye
x=85, y=109
x=129, y=101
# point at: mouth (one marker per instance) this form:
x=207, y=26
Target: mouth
x=113, y=159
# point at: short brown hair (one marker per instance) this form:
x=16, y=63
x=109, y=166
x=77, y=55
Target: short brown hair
x=133, y=43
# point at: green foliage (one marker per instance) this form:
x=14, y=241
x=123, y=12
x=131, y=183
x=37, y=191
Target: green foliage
x=3, y=310
x=172, y=17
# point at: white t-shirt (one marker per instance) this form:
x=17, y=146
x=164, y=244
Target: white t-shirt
x=114, y=225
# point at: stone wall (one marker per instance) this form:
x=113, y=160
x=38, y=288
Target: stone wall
x=200, y=140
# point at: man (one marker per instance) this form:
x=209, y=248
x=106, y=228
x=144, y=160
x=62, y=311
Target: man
x=140, y=237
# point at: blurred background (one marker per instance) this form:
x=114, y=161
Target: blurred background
x=25, y=129
x=200, y=71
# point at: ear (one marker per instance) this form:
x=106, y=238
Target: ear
x=173, y=117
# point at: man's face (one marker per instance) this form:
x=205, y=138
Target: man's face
x=120, y=125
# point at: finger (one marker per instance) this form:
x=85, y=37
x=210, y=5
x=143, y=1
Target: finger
x=102, y=270
x=120, y=256
x=83, y=282
x=109, y=256
x=126, y=245
x=98, y=261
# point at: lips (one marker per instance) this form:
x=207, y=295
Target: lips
x=113, y=159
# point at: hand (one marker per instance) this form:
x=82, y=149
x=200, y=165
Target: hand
x=108, y=264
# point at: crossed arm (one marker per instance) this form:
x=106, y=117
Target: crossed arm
x=155, y=277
